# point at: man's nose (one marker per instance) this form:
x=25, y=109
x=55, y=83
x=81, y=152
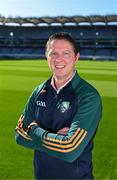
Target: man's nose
x=59, y=57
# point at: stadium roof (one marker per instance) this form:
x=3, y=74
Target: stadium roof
x=62, y=20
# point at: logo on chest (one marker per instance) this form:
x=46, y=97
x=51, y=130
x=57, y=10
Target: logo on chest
x=64, y=106
x=41, y=103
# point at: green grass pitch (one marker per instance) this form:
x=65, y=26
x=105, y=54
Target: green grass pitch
x=18, y=79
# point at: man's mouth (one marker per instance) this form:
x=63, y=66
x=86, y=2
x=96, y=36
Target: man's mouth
x=59, y=66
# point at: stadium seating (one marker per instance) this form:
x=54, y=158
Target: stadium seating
x=104, y=54
x=114, y=54
x=96, y=41
x=86, y=53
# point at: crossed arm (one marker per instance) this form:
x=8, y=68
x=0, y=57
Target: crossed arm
x=68, y=143
x=25, y=132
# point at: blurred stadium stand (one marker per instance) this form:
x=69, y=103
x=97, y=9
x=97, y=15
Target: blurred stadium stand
x=26, y=37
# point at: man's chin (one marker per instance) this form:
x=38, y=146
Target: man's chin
x=61, y=74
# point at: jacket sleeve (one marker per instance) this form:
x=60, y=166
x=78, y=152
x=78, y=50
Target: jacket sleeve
x=82, y=129
x=26, y=118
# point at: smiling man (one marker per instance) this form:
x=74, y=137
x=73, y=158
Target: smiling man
x=61, y=117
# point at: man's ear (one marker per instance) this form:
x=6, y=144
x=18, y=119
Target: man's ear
x=77, y=56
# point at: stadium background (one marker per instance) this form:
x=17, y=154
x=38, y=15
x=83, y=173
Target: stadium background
x=96, y=35
x=25, y=38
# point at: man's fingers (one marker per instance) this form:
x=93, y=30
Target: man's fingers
x=63, y=131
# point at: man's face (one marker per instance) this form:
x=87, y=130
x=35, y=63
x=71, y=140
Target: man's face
x=61, y=58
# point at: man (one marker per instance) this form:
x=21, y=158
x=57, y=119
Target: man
x=61, y=117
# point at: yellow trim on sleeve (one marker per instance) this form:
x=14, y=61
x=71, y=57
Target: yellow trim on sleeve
x=24, y=135
x=63, y=142
x=66, y=146
x=66, y=150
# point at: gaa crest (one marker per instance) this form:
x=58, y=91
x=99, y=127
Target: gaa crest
x=64, y=106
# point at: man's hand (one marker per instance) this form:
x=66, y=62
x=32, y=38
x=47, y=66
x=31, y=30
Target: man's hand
x=33, y=124
x=20, y=130
x=63, y=131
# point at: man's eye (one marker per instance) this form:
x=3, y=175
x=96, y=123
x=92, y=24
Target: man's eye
x=66, y=54
x=53, y=54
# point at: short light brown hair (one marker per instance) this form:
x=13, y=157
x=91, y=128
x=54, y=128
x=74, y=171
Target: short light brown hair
x=63, y=36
